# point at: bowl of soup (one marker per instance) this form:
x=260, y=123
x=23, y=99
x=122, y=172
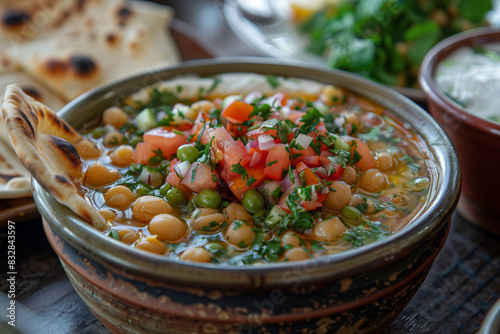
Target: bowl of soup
x=460, y=79
x=253, y=196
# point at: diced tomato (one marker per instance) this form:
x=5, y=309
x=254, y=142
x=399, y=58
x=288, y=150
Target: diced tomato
x=166, y=140
x=237, y=112
x=239, y=186
x=336, y=169
x=308, y=151
x=203, y=179
x=367, y=161
x=227, y=151
x=236, y=130
x=143, y=152
x=279, y=154
x=174, y=180
x=257, y=157
x=282, y=203
x=201, y=119
x=311, y=205
x=309, y=176
x=311, y=160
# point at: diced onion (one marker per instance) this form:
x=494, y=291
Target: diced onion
x=145, y=176
x=252, y=144
x=266, y=142
x=303, y=140
x=182, y=168
x=286, y=183
x=153, y=178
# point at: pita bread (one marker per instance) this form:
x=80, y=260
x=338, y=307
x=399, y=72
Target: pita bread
x=26, y=20
x=14, y=178
x=44, y=144
x=72, y=64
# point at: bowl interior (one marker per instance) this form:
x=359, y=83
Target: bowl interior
x=435, y=213
x=440, y=52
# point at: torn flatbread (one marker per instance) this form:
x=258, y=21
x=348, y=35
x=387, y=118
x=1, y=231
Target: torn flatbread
x=14, y=178
x=72, y=64
x=44, y=143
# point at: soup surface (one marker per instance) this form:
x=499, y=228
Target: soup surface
x=244, y=168
x=471, y=78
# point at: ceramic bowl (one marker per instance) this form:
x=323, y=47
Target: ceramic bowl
x=476, y=139
x=358, y=291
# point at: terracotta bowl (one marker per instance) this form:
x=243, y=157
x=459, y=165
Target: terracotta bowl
x=361, y=290
x=476, y=139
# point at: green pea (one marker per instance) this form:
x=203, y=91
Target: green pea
x=253, y=201
x=215, y=247
x=98, y=132
x=176, y=196
x=209, y=198
x=187, y=153
x=165, y=188
x=142, y=190
x=350, y=213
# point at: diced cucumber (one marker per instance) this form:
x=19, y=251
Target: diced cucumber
x=275, y=216
x=145, y=120
x=230, y=99
x=340, y=144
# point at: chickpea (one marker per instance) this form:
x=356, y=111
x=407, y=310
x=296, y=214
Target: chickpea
x=240, y=234
x=128, y=236
x=114, y=116
x=206, y=220
x=336, y=200
x=203, y=106
x=151, y=244
x=385, y=161
x=98, y=175
x=331, y=95
x=88, y=150
x=146, y=207
x=113, y=138
x=168, y=227
x=196, y=254
x=329, y=230
x=356, y=200
x=349, y=175
x=290, y=238
x=237, y=211
x=119, y=197
x=107, y=214
x=122, y=156
x=373, y=180
x=370, y=206
x=297, y=254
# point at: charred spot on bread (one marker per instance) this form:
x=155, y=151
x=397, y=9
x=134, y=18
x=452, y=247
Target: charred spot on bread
x=82, y=65
x=33, y=92
x=68, y=151
x=25, y=119
x=61, y=179
x=56, y=67
x=14, y=18
x=123, y=14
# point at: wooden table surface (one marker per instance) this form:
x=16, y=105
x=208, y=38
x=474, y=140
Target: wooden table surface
x=462, y=285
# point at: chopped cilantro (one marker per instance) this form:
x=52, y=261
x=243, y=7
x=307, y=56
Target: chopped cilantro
x=270, y=163
x=273, y=80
